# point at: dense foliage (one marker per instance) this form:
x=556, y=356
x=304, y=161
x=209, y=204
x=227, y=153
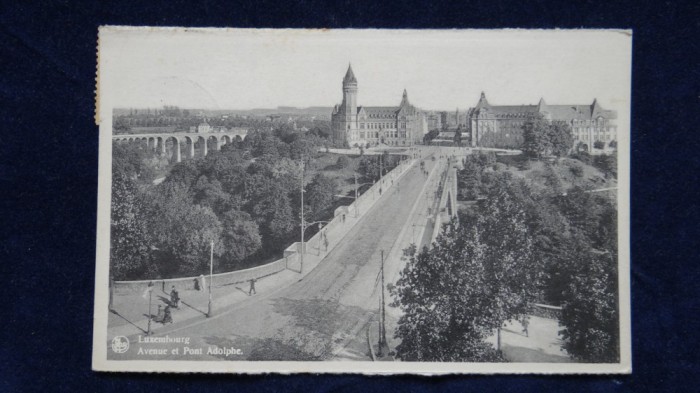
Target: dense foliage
x=244, y=198
x=542, y=137
x=522, y=242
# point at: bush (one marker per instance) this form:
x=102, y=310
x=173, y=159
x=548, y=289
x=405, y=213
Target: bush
x=583, y=157
x=577, y=170
x=525, y=165
x=343, y=162
x=599, y=145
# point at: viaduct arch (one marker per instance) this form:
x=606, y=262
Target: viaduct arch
x=193, y=144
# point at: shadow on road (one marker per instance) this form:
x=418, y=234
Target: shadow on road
x=192, y=307
x=124, y=318
x=514, y=332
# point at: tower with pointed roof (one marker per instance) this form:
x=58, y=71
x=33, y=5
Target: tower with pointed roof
x=354, y=125
x=350, y=98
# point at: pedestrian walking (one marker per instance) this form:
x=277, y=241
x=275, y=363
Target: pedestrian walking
x=148, y=290
x=174, y=298
x=167, y=316
x=160, y=315
x=525, y=322
x=252, y=287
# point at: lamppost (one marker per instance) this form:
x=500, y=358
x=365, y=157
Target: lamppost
x=356, y=187
x=150, y=315
x=301, y=252
x=382, y=314
x=211, y=274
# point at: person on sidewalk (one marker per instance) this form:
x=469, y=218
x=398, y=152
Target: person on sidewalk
x=252, y=287
x=175, y=298
x=167, y=316
x=160, y=315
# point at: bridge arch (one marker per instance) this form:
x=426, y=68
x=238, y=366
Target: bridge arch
x=213, y=142
x=174, y=144
x=188, y=144
x=201, y=144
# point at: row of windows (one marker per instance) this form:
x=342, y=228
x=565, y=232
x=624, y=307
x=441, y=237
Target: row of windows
x=604, y=137
x=602, y=122
x=379, y=126
x=376, y=126
x=594, y=129
x=376, y=134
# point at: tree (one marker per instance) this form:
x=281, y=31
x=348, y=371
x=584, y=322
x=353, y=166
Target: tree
x=181, y=230
x=319, y=195
x=543, y=138
x=133, y=160
x=469, y=179
x=560, y=138
x=513, y=276
x=589, y=311
x=443, y=304
x=432, y=134
x=130, y=239
x=535, y=143
x=607, y=163
x=210, y=193
x=240, y=238
x=368, y=168
x=303, y=148
x=343, y=162
x=458, y=136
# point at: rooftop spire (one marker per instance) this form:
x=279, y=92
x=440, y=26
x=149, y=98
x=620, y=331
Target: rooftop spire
x=482, y=101
x=404, y=98
x=349, y=76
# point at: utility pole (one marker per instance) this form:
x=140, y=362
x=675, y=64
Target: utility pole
x=381, y=159
x=211, y=275
x=382, y=316
x=356, y=212
x=150, y=314
x=301, y=252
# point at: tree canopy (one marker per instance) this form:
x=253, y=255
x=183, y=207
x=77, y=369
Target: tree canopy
x=244, y=198
x=542, y=137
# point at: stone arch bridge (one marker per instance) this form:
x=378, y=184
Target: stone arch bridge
x=191, y=144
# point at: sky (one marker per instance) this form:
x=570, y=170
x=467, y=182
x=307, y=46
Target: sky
x=440, y=69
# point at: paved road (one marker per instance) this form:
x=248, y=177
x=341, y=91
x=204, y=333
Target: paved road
x=325, y=315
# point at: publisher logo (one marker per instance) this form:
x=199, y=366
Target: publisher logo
x=120, y=344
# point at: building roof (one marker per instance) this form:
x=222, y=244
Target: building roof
x=379, y=111
x=578, y=112
x=349, y=76
x=556, y=112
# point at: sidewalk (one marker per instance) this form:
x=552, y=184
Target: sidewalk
x=129, y=314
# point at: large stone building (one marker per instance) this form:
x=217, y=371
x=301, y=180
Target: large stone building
x=592, y=126
x=355, y=125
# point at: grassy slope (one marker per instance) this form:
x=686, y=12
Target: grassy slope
x=592, y=177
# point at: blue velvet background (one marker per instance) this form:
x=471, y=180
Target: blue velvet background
x=48, y=182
